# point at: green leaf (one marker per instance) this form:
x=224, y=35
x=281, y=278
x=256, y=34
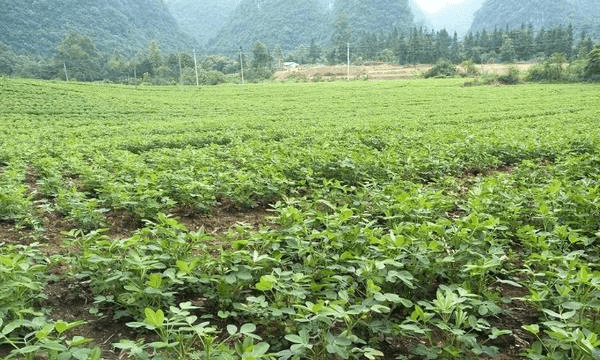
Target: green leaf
x=496, y=333
x=345, y=215
x=266, y=283
x=79, y=340
x=248, y=328
x=371, y=353
x=294, y=338
x=261, y=348
x=572, y=305
x=533, y=328
x=564, y=316
x=232, y=329
x=95, y=354
x=44, y=332
x=154, y=281
x=61, y=326
x=11, y=326
x=155, y=318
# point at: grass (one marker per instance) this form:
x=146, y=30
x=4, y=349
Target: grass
x=414, y=218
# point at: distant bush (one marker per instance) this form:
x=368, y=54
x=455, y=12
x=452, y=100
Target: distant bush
x=470, y=69
x=443, y=68
x=211, y=77
x=591, y=71
x=551, y=70
x=512, y=78
x=257, y=74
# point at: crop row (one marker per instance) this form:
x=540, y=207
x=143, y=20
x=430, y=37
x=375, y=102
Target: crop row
x=409, y=219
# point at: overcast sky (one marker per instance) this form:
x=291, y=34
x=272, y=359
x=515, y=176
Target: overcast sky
x=434, y=5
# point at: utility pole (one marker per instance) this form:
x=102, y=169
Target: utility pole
x=66, y=75
x=196, y=68
x=242, y=65
x=348, y=61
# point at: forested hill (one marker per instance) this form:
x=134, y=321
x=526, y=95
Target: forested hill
x=37, y=26
x=583, y=15
x=287, y=23
x=420, y=18
x=456, y=17
x=376, y=15
x=290, y=23
x=202, y=19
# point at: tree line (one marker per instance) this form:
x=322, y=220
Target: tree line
x=76, y=56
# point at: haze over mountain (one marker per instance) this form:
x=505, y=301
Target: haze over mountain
x=202, y=19
x=584, y=15
x=456, y=17
x=223, y=26
x=375, y=15
x=287, y=23
x=37, y=26
x=420, y=17
x=290, y=23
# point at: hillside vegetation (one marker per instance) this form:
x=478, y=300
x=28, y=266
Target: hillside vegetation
x=201, y=19
x=287, y=23
x=583, y=15
x=37, y=26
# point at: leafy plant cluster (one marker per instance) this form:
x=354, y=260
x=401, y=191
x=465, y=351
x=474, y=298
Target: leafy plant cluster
x=398, y=240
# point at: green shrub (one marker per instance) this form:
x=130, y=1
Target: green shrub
x=551, y=70
x=470, y=69
x=442, y=69
x=512, y=78
x=592, y=69
x=211, y=77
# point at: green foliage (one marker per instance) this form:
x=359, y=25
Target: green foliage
x=554, y=70
x=7, y=60
x=22, y=272
x=37, y=29
x=261, y=59
x=371, y=16
x=214, y=16
x=469, y=67
x=507, y=51
x=512, y=78
x=287, y=23
x=442, y=69
x=583, y=14
x=399, y=232
x=592, y=69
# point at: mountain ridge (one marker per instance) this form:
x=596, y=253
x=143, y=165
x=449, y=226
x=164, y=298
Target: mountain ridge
x=583, y=15
x=38, y=26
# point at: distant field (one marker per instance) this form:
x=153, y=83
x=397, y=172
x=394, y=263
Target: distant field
x=344, y=220
x=377, y=72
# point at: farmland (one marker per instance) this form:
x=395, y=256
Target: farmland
x=414, y=219
x=378, y=71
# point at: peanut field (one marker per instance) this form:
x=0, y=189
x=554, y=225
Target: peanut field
x=415, y=219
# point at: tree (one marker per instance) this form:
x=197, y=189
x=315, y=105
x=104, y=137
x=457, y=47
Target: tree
x=314, y=52
x=261, y=57
x=507, y=52
x=155, y=55
x=6, y=60
x=77, y=53
x=342, y=35
x=455, y=50
x=116, y=66
x=592, y=69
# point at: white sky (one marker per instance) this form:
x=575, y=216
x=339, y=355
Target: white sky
x=432, y=6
